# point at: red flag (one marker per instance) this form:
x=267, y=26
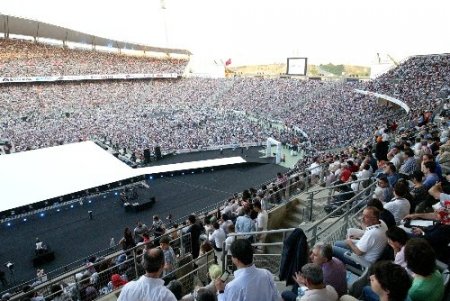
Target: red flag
x=228, y=62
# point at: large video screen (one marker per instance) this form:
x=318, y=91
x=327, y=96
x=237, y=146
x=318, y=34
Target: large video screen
x=296, y=65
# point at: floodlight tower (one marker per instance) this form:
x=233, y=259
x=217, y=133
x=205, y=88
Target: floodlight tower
x=164, y=12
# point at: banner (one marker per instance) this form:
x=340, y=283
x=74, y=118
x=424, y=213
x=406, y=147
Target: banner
x=386, y=97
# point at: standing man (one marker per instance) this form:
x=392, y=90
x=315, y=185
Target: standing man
x=261, y=220
x=170, y=259
x=149, y=286
x=195, y=230
x=250, y=283
x=244, y=224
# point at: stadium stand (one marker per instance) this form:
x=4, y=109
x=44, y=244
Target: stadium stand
x=208, y=112
x=23, y=58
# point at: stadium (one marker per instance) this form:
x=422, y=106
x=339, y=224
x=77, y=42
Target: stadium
x=112, y=151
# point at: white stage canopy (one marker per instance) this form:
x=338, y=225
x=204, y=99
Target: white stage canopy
x=38, y=175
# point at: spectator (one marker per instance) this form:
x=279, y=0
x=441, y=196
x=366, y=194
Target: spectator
x=214, y=272
x=58, y=294
x=383, y=191
x=117, y=281
x=203, y=294
x=194, y=230
x=399, y=206
x=139, y=232
x=409, y=164
x=391, y=173
x=397, y=239
x=371, y=245
x=385, y=215
x=388, y=282
x=176, y=288
x=261, y=220
x=334, y=271
x=127, y=240
x=217, y=238
x=427, y=281
x=312, y=276
x=431, y=178
x=420, y=193
x=249, y=283
x=244, y=224
x=148, y=286
x=170, y=259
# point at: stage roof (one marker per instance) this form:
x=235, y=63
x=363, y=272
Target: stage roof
x=33, y=28
x=34, y=176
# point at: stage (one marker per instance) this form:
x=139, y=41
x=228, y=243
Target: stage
x=31, y=177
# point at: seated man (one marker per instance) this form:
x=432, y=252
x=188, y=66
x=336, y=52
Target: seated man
x=372, y=243
x=383, y=191
x=334, y=272
x=399, y=206
x=312, y=277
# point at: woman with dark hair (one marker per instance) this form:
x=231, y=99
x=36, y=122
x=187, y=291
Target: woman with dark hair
x=127, y=240
x=390, y=281
x=203, y=294
x=427, y=280
x=397, y=239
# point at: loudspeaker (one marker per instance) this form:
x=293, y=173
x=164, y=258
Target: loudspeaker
x=158, y=152
x=146, y=156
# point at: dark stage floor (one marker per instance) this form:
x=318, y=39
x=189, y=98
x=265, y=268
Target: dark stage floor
x=73, y=236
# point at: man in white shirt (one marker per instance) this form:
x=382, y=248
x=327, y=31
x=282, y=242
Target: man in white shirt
x=399, y=206
x=261, y=220
x=217, y=238
x=149, y=286
x=315, y=169
x=250, y=283
x=371, y=245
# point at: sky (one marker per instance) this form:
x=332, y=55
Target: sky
x=258, y=32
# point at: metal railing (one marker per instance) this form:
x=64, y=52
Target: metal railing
x=95, y=278
x=330, y=228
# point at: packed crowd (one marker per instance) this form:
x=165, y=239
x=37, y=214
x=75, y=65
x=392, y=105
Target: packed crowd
x=133, y=115
x=417, y=153
x=180, y=114
x=22, y=58
x=419, y=81
x=196, y=113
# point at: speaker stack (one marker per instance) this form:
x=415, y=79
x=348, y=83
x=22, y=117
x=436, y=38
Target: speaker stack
x=158, y=152
x=146, y=156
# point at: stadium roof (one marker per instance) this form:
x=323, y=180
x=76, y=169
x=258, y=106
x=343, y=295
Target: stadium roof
x=37, y=29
